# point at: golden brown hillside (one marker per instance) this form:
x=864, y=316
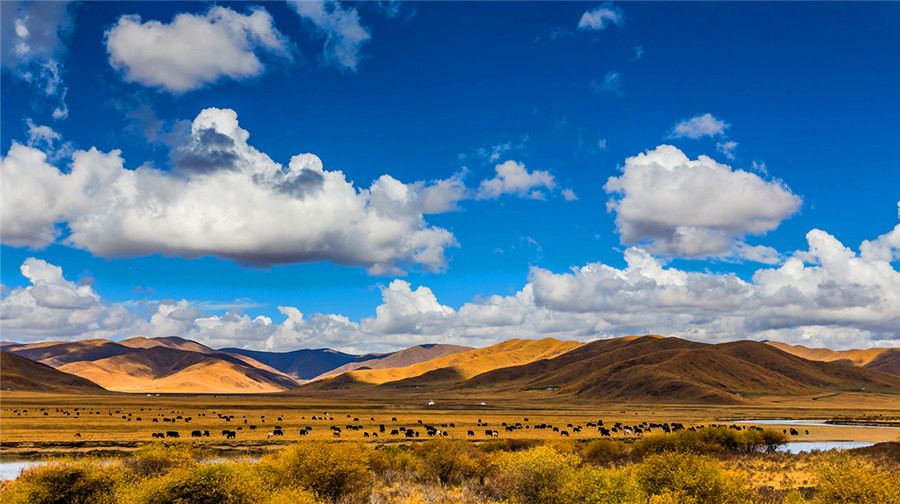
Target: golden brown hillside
x=473, y=362
x=886, y=360
x=19, y=373
x=675, y=370
x=163, y=369
x=157, y=365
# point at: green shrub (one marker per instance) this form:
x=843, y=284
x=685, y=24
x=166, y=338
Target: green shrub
x=843, y=479
x=535, y=476
x=693, y=479
x=330, y=470
x=65, y=482
x=449, y=462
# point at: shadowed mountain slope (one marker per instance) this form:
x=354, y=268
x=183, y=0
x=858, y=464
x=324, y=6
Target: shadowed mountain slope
x=402, y=358
x=56, y=354
x=459, y=366
x=20, y=373
x=670, y=369
x=886, y=360
x=303, y=364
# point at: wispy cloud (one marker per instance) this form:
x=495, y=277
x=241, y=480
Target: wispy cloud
x=33, y=35
x=638, y=52
x=611, y=83
x=343, y=32
x=727, y=147
x=699, y=127
x=599, y=18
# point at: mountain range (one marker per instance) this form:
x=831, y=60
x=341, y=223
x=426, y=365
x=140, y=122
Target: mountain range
x=879, y=359
x=645, y=368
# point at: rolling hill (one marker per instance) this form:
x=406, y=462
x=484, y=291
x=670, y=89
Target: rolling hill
x=886, y=360
x=652, y=368
x=168, y=370
x=457, y=366
x=19, y=373
x=303, y=364
x=157, y=365
x=314, y=364
x=402, y=358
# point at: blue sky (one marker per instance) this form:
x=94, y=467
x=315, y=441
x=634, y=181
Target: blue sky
x=466, y=172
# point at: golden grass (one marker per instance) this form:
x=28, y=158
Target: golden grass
x=102, y=428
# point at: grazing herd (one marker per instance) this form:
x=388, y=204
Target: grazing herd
x=354, y=426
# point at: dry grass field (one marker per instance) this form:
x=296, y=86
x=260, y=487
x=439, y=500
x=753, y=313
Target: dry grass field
x=43, y=424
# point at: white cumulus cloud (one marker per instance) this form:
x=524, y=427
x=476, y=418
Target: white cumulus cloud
x=194, y=49
x=513, y=178
x=695, y=208
x=224, y=199
x=827, y=295
x=55, y=308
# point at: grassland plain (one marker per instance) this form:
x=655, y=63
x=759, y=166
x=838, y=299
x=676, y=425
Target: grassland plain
x=36, y=425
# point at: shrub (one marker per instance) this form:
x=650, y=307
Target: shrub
x=772, y=438
x=601, y=451
x=330, y=470
x=392, y=461
x=710, y=440
x=508, y=444
x=694, y=479
x=220, y=483
x=154, y=459
x=843, y=479
x=535, y=476
x=65, y=482
x=449, y=462
x=590, y=485
x=291, y=496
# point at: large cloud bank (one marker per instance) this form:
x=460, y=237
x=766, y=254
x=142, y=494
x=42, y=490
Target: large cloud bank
x=827, y=295
x=225, y=199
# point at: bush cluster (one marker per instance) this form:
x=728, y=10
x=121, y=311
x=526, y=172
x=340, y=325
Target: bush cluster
x=710, y=440
x=842, y=479
x=679, y=468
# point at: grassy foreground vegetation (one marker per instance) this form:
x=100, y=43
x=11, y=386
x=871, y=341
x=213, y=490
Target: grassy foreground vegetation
x=713, y=465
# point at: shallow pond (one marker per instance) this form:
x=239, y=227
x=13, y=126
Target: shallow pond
x=809, y=423
x=11, y=470
x=808, y=446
